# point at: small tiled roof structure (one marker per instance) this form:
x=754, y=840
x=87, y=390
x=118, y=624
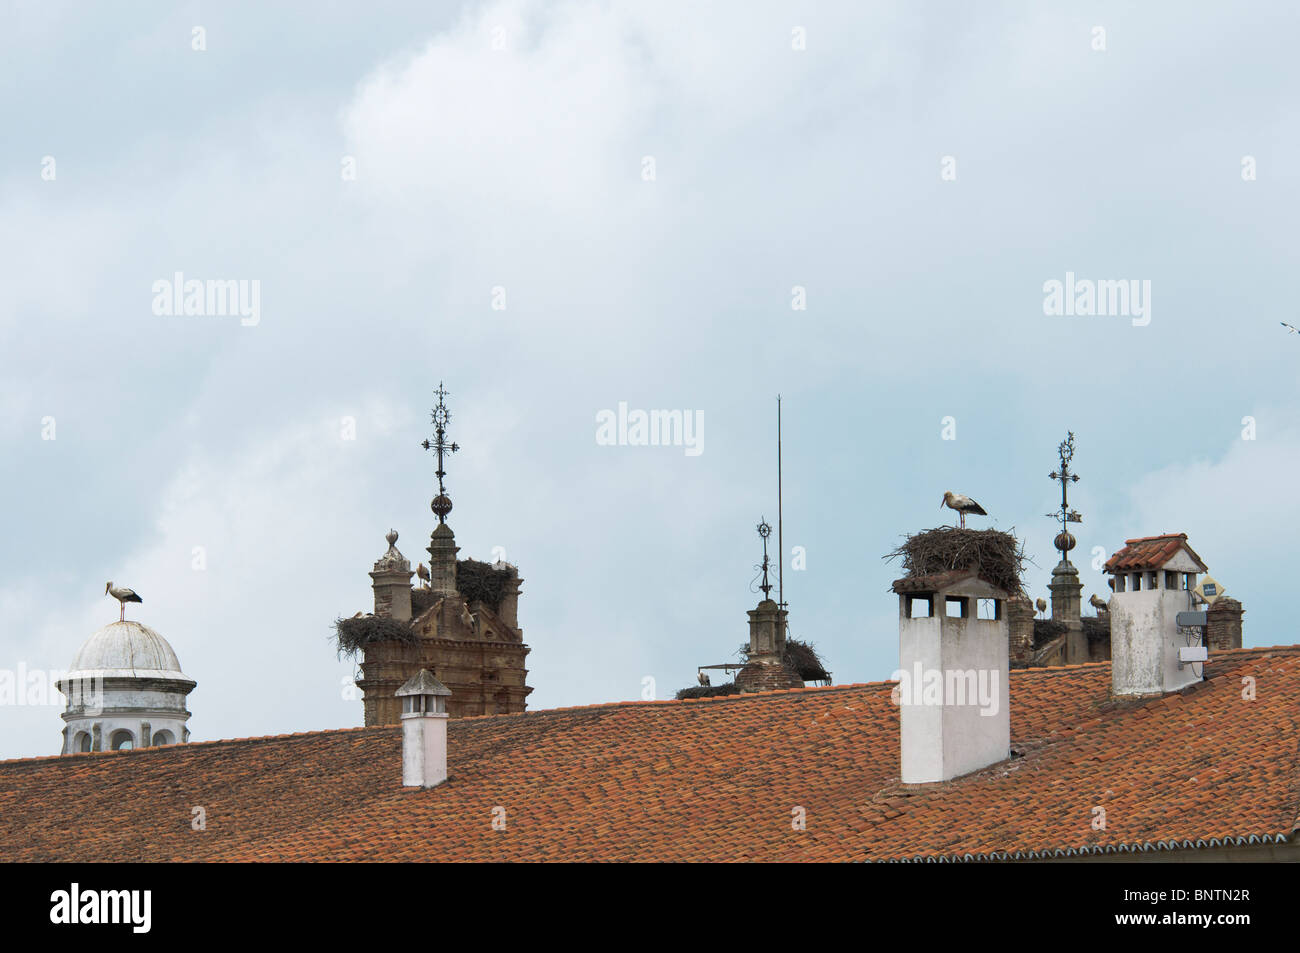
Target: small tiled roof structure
x=714, y=779
x=1150, y=552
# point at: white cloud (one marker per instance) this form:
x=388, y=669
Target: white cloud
x=285, y=547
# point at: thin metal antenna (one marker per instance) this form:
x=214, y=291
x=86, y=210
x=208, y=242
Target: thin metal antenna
x=780, y=525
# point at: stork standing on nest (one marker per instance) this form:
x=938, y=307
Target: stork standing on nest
x=1041, y=604
x=962, y=504
x=423, y=574
x=1098, y=603
x=702, y=679
x=123, y=596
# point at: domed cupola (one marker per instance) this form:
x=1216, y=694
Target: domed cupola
x=125, y=689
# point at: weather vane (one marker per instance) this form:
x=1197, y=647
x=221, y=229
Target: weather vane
x=765, y=531
x=441, y=417
x=1064, y=539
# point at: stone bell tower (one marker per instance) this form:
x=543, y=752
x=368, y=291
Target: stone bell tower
x=461, y=623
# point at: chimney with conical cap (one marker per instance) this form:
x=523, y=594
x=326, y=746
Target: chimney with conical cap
x=424, y=730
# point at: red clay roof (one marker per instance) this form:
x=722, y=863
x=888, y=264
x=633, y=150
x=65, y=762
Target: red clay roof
x=710, y=779
x=1150, y=552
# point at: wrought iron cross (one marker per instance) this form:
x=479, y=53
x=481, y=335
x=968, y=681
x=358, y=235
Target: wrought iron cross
x=440, y=418
x=765, y=531
x=1065, y=478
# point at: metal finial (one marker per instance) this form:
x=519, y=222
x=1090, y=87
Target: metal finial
x=1064, y=541
x=440, y=417
x=764, y=530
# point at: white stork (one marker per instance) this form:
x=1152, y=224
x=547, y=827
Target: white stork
x=703, y=679
x=1098, y=603
x=1289, y=328
x=123, y=596
x=1041, y=605
x=423, y=574
x=962, y=504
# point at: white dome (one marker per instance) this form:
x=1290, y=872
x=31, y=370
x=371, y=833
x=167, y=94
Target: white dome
x=127, y=649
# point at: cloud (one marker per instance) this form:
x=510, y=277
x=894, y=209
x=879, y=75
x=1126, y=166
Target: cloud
x=241, y=572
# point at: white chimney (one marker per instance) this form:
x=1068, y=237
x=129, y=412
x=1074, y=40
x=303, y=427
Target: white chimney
x=1153, y=578
x=424, y=730
x=953, y=697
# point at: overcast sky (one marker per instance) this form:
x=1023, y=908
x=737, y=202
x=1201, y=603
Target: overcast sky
x=500, y=156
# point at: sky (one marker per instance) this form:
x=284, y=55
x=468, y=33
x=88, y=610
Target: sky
x=558, y=208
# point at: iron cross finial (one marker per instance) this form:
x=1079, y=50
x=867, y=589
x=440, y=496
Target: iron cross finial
x=440, y=417
x=764, y=530
x=1064, y=540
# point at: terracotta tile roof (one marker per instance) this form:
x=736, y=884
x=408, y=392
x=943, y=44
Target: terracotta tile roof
x=709, y=779
x=1150, y=552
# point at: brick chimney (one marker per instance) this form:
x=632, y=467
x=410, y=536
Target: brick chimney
x=1223, y=624
x=1020, y=628
x=424, y=730
x=954, y=703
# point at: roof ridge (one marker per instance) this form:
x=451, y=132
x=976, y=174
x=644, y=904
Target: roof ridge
x=183, y=746
x=647, y=702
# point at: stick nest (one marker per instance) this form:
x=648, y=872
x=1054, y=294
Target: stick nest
x=998, y=557
x=1045, y=630
x=353, y=635
x=708, y=691
x=482, y=582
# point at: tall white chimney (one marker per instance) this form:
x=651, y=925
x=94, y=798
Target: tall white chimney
x=953, y=697
x=1153, y=578
x=424, y=730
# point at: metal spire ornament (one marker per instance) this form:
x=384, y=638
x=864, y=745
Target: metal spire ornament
x=440, y=417
x=1065, y=540
x=764, y=530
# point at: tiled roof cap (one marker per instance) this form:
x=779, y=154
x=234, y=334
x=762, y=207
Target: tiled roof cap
x=1150, y=552
x=423, y=683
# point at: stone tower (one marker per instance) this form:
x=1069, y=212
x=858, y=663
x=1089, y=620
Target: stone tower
x=767, y=669
x=461, y=624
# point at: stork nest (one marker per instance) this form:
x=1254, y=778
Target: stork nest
x=998, y=557
x=353, y=635
x=1096, y=627
x=708, y=691
x=422, y=600
x=476, y=581
x=482, y=582
x=1045, y=630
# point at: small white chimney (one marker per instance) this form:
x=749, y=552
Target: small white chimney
x=1152, y=579
x=953, y=696
x=424, y=730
